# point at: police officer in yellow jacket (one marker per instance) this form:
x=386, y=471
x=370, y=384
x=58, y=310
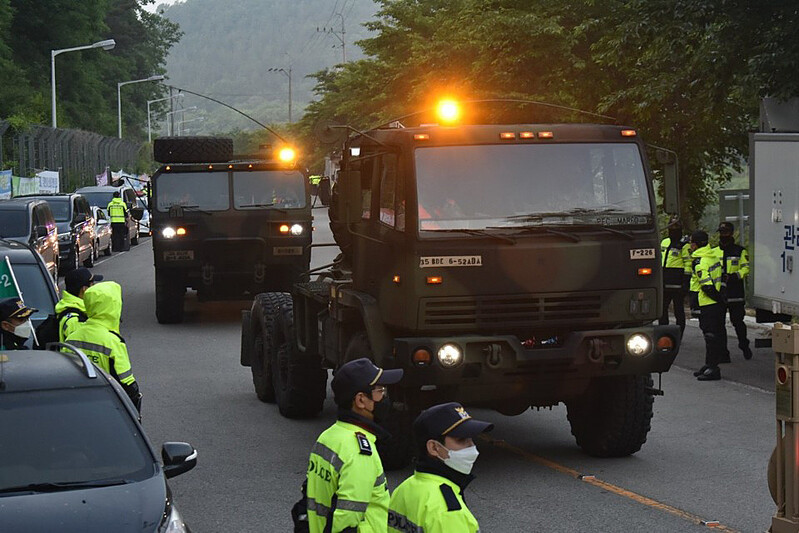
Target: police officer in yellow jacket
x=118, y=213
x=99, y=336
x=676, y=258
x=432, y=499
x=346, y=484
x=69, y=310
x=712, y=305
x=735, y=269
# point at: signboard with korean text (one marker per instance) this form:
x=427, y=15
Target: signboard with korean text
x=5, y=184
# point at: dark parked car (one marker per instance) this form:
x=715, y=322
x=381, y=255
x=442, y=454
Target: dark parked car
x=73, y=216
x=74, y=456
x=38, y=290
x=102, y=195
x=31, y=222
x=102, y=232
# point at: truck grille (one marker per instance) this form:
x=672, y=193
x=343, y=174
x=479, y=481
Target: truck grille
x=509, y=311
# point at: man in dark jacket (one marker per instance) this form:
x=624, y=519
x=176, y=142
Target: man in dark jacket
x=735, y=269
x=15, y=324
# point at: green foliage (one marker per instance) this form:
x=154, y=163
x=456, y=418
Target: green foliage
x=85, y=80
x=686, y=74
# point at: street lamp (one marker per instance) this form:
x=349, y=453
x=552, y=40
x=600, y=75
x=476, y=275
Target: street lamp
x=179, y=125
x=119, y=97
x=169, y=113
x=149, y=124
x=107, y=44
x=286, y=73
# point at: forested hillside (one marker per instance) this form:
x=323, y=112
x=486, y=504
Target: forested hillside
x=229, y=45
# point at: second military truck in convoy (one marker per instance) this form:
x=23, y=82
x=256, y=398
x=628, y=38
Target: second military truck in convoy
x=504, y=266
x=226, y=226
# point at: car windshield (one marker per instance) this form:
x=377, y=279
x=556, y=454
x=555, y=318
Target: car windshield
x=268, y=188
x=77, y=435
x=60, y=209
x=206, y=191
x=100, y=199
x=35, y=287
x=14, y=223
x=485, y=186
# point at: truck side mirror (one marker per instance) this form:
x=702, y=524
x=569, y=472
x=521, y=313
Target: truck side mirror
x=671, y=181
x=39, y=232
x=350, y=183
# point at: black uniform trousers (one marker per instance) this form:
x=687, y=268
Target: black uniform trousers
x=118, y=235
x=712, y=322
x=677, y=296
x=737, y=312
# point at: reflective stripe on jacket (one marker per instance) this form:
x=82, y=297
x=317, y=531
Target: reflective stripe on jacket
x=70, y=320
x=98, y=337
x=345, y=482
x=418, y=506
x=117, y=210
x=676, y=260
x=736, y=261
x=708, y=272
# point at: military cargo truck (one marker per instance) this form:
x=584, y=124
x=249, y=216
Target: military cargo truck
x=505, y=266
x=226, y=226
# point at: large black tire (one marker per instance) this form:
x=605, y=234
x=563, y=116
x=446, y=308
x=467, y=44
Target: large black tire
x=193, y=149
x=299, y=380
x=169, y=292
x=338, y=224
x=264, y=323
x=613, y=417
x=395, y=452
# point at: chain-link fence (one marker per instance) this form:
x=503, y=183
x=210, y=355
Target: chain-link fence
x=78, y=155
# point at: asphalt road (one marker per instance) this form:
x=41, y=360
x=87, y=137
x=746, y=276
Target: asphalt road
x=705, y=458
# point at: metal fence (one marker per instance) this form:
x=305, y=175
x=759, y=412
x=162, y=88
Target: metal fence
x=78, y=155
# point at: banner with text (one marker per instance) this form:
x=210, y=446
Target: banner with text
x=24, y=186
x=5, y=184
x=48, y=181
x=102, y=179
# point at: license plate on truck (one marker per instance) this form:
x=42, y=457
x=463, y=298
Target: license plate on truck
x=179, y=255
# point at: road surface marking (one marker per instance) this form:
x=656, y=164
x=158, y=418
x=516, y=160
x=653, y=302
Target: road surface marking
x=592, y=480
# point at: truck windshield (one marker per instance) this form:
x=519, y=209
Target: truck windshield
x=487, y=186
x=268, y=188
x=206, y=191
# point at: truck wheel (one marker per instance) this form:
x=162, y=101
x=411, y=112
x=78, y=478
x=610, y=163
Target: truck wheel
x=193, y=149
x=264, y=314
x=169, y=292
x=299, y=380
x=614, y=415
x=395, y=452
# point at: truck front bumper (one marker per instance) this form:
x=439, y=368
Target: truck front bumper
x=496, y=368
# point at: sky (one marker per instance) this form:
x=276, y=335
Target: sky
x=152, y=7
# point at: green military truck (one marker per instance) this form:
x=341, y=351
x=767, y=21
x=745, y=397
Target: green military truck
x=505, y=266
x=227, y=226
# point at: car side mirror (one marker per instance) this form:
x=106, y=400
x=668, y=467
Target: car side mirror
x=137, y=212
x=102, y=222
x=178, y=457
x=39, y=232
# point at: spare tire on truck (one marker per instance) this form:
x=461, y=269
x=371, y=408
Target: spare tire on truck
x=193, y=149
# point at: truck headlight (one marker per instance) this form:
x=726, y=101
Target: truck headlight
x=168, y=233
x=639, y=344
x=296, y=229
x=450, y=355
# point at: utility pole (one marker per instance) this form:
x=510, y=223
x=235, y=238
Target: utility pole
x=340, y=35
x=287, y=73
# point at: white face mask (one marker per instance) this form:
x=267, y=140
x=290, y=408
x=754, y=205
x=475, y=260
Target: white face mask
x=462, y=460
x=24, y=330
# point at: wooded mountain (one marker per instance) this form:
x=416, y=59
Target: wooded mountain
x=228, y=46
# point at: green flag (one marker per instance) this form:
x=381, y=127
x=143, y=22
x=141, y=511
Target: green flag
x=8, y=282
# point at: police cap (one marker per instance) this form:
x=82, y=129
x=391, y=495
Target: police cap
x=14, y=308
x=699, y=237
x=78, y=278
x=448, y=419
x=361, y=375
